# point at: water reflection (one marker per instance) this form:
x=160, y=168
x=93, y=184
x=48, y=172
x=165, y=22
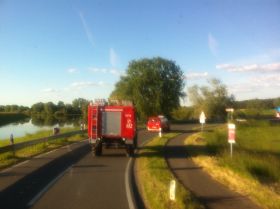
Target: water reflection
x=37, y=123
x=61, y=121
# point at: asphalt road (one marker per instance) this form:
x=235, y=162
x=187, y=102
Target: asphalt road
x=76, y=179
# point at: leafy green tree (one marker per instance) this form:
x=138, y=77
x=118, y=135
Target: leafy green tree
x=276, y=102
x=37, y=107
x=14, y=108
x=61, y=109
x=23, y=109
x=154, y=85
x=49, y=108
x=183, y=114
x=69, y=109
x=212, y=99
x=8, y=108
x=80, y=105
x=60, y=105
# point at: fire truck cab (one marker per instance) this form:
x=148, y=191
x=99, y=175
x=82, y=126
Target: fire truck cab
x=112, y=123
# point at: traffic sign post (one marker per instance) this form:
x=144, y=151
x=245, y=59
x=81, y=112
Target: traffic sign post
x=202, y=119
x=230, y=114
x=231, y=136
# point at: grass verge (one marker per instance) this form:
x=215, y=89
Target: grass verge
x=10, y=158
x=253, y=171
x=155, y=177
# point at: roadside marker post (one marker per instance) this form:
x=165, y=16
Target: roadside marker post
x=159, y=133
x=172, y=190
x=202, y=119
x=231, y=136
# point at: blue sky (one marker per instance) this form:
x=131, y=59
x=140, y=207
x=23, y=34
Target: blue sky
x=52, y=50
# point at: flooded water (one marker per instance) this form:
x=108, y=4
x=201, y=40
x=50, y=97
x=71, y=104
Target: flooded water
x=30, y=126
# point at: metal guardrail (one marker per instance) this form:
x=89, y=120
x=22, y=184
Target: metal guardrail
x=21, y=145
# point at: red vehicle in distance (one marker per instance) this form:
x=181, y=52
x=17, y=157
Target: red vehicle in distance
x=156, y=123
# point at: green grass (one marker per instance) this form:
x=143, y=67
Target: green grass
x=155, y=177
x=254, y=113
x=256, y=157
x=9, y=158
x=37, y=135
x=256, y=152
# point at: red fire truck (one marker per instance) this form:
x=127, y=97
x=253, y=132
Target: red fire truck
x=112, y=123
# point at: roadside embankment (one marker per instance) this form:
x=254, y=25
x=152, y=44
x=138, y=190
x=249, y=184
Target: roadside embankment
x=253, y=170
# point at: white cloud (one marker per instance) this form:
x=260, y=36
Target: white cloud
x=272, y=80
x=113, y=57
x=83, y=84
x=264, y=68
x=196, y=76
x=241, y=88
x=49, y=90
x=213, y=44
x=72, y=70
x=98, y=70
x=86, y=84
x=270, y=56
x=106, y=70
x=86, y=28
x=264, y=86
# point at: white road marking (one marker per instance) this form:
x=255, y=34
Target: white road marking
x=128, y=186
x=46, y=188
x=46, y=153
x=129, y=193
x=16, y=165
x=38, y=156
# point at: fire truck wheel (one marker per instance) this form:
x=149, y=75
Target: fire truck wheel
x=130, y=150
x=97, y=149
x=135, y=142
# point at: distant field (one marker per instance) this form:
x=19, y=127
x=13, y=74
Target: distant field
x=256, y=159
x=256, y=153
x=254, y=113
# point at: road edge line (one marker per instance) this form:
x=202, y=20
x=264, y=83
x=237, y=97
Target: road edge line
x=37, y=156
x=46, y=188
x=129, y=192
x=128, y=179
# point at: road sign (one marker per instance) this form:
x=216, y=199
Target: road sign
x=229, y=110
x=202, y=118
x=231, y=133
x=231, y=136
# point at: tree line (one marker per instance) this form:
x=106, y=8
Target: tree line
x=156, y=86
x=258, y=103
x=78, y=107
x=14, y=108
